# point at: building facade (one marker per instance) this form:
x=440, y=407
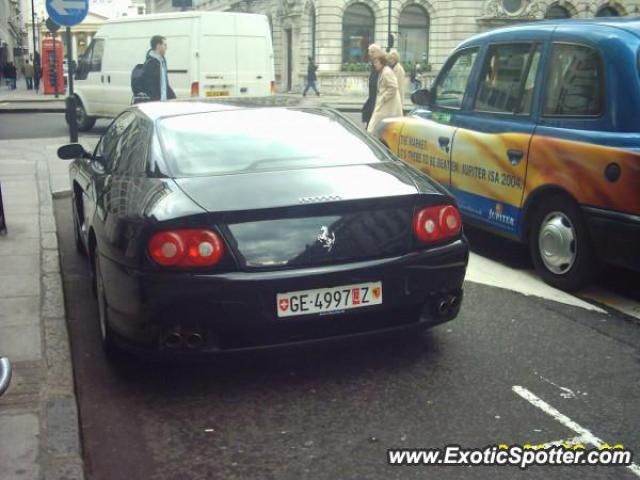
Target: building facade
x=337, y=32
x=11, y=31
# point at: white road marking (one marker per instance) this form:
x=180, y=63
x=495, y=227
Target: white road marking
x=488, y=272
x=585, y=435
x=622, y=304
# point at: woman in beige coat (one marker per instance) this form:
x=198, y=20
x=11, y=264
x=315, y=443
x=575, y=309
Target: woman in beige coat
x=388, y=103
x=398, y=69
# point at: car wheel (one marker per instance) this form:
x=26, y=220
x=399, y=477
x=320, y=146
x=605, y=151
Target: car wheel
x=560, y=246
x=84, y=121
x=103, y=313
x=76, y=228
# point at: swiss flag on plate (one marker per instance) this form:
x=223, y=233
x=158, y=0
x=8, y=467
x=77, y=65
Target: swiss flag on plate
x=284, y=304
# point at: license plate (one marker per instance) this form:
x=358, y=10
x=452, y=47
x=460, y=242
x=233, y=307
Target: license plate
x=217, y=93
x=321, y=300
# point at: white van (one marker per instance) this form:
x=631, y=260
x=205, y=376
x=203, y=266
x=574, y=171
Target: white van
x=209, y=54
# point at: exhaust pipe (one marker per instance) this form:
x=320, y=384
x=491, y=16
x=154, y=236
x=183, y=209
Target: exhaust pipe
x=194, y=340
x=442, y=307
x=173, y=340
x=454, y=301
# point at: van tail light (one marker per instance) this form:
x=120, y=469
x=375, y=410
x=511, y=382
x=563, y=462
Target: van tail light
x=434, y=224
x=186, y=248
x=195, y=89
x=273, y=87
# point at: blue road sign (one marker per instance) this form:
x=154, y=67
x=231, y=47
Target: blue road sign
x=67, y=13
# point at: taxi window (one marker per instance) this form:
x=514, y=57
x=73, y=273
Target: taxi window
x=574, y=82
x=450, y=87
x=508, y=79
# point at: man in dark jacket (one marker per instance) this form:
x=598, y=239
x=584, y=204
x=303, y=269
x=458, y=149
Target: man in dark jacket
x=368, y=107
x=155, y=74
x=311, y=78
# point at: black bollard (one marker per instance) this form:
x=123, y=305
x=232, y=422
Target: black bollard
x=3, y=222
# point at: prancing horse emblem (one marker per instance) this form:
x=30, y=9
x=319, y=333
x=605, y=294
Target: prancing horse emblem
x=326, y=238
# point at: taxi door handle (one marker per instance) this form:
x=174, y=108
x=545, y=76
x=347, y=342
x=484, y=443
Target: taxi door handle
x=515, y=156
x=444, y=143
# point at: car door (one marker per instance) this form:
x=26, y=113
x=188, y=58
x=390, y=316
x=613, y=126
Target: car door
x=491, y=146
x=105, y=157
x=427, y=137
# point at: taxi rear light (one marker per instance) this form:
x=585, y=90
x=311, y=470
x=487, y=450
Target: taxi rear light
x=186, y=248
x=434, y=224
x=195, y=89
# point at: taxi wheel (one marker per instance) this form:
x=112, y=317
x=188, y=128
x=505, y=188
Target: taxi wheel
x=103, y=313
x=560, y=246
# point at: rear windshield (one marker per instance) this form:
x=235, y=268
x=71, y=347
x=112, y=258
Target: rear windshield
x=219, y=143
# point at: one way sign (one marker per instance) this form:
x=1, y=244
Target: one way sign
x=67, y=13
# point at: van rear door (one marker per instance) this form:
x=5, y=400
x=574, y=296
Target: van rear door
x=255, y=55
x=218, y=59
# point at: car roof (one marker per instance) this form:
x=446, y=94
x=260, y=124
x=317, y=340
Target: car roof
x=594, y=27
x=156, y=110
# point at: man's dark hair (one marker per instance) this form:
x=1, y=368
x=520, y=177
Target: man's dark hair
x=156, y=40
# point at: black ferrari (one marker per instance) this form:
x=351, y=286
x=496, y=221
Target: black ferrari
x=213, y=227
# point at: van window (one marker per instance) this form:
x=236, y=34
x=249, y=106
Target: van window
x=508, y=79
x=450, y=87
x=95, y=64
x=574, y=83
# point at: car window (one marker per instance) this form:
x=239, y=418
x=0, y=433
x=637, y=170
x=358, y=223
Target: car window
x=133, y=148
x=84, y=64
x=110, y=147
x=96, y=57
x=508, y=78
x=267, y=139
x=450, y=87
x=574, y=82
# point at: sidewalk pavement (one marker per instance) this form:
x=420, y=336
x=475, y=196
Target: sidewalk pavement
x=39, y=430
x=27, y=102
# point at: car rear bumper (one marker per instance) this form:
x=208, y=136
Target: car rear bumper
x=237, y=310
x=616, y=236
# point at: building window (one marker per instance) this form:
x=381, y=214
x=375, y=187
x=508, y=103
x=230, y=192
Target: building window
x=358, y=27
x=608, y=12
x=512, y=6
x=414, y=34
x=557, y=11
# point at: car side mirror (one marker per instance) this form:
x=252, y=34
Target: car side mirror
x=5, y=374
x=72, y=151
x=421, y=97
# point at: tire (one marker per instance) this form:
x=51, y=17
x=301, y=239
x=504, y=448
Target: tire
x=84, y=121
x=106, y=336
x=560, y=245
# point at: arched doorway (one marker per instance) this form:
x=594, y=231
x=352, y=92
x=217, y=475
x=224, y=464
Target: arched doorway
x=358, y=32
x=608, y=11
x=413, y=29
x=557, y=11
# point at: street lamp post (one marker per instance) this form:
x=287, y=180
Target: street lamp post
x=389, y=38
x=36, y=64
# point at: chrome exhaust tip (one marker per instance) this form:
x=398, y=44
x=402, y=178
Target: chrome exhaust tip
x=443, y=307
x=454, y=301
x=173, y=340
x=194, y=340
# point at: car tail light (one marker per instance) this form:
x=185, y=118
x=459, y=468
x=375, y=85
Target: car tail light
x=186, y=248
x=195, y=89
x=433, y=224
x=273, y=87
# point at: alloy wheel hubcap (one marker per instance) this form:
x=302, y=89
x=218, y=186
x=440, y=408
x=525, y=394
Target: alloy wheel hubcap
x=557, y=243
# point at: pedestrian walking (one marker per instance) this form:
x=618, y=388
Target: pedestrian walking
x=311, y=78
x=374, y=51
x=398, y=70
x=13, y=75
x=388, y=103
x=155, y=73
x=28, y=72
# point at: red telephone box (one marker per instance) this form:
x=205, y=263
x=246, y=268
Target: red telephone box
x=51, y=76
